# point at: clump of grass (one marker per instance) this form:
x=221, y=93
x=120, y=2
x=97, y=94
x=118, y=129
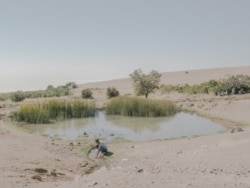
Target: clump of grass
x=32, y=113
x=134, y=106
x=54, y=109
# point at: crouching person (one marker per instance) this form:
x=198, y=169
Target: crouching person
x=101, y=148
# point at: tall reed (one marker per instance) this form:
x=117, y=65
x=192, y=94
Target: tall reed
x=54, y=109
x=134, y=106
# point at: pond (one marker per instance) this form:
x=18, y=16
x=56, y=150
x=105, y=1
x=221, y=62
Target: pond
x=110, y=127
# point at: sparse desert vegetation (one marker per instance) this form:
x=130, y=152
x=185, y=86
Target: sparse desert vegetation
x=238, y=84
x=50, y=91
x=182, y=157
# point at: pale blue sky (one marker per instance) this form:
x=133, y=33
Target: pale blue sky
x=46, y=42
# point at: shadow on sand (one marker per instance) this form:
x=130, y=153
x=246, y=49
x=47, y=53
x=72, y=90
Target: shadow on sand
x=108, y=153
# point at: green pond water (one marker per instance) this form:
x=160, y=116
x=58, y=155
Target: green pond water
x=110, y=127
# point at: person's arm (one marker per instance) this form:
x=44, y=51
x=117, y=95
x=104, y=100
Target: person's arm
x=97, y=152
x=93, y=147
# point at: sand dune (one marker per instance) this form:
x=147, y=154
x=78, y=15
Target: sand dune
x=180, y=77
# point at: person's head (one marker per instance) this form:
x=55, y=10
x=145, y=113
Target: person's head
x=97, y=141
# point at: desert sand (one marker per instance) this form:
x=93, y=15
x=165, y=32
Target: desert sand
x=220, y=160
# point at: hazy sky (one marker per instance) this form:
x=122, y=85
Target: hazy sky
x=46, y=42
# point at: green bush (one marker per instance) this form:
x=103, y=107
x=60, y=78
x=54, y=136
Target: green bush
x=134, y=106
x=112, y=92
x=71, y=85
x=18, y=96
x=87, y=94
x=239, y=84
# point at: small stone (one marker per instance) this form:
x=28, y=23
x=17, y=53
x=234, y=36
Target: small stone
x=61, y=174
x=53, y=173
x=36, y=177
x=233, y=130
x=41, y=170
x=239, y=129
x=140, y=170
x=85, y=134
x=83, y=165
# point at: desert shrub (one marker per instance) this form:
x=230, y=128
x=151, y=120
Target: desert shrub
x=87, y=94
x=18, y=96
x=56, y=92
x=46, y=111
x=166, y=88
x=112, y=92
x=134, y=106
x=239, y=84
x=71, y=85
x=193, y=89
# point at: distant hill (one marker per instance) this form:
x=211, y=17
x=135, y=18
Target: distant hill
x=191, y=77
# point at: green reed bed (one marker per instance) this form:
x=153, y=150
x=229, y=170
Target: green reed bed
x=134, y=106
x=46, y=111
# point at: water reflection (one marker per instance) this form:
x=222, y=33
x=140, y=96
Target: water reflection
x=130, y=128
x=138, y=124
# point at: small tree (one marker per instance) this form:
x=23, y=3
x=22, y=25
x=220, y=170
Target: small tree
x=87, y=94
x=145, y=83
x=112, y=92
